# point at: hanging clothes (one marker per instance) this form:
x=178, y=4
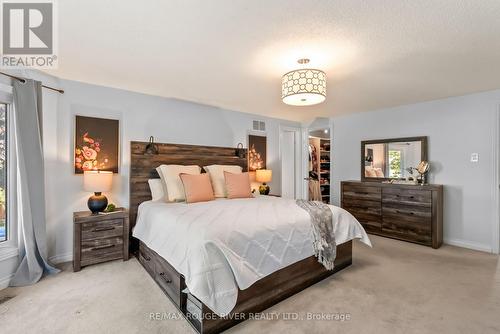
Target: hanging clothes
x=314, y=190
x=313, y=158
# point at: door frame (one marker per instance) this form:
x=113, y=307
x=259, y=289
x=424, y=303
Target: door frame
x=495, y=243
x=298, y=157
x=305, y=162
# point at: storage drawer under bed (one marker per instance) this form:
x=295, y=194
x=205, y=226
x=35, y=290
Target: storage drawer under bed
x=163, y=273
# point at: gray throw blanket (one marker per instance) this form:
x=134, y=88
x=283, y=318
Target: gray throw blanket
x=325, y=248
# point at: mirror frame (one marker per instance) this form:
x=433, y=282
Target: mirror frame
x=423, y=154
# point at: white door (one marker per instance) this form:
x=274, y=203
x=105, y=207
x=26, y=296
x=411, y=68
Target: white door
x=290, y=157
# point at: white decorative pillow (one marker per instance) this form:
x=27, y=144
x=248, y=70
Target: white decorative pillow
x=172, y=181
x=156, y=188
x=163, y=183
x=216, y=173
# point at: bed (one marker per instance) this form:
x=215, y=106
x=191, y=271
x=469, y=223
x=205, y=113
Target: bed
x=222, y=260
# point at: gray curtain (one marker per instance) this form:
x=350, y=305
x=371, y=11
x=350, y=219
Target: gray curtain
x=30, y=184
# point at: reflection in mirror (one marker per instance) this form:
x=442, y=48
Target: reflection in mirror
x=392, y=159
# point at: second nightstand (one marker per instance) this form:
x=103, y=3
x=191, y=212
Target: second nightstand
x=99, y=237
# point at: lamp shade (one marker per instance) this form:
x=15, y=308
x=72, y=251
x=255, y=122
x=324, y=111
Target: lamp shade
x=97, y=181
x=303, y=87
x=263, y=175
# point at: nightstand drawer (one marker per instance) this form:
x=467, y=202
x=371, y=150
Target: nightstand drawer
x=103, y=229
x=100, y=250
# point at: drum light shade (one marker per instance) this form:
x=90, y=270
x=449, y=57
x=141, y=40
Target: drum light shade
x=97, y=181
x=303, y=87
x=263, y=175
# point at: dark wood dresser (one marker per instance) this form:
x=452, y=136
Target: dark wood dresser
x=406, y=212
x=99, y=238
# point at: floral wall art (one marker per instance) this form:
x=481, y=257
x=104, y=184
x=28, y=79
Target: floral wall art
x=257, y=147
x=96, y=144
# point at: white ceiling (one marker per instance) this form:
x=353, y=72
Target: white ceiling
x=232, y=53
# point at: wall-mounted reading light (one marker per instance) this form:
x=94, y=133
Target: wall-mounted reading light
x=240, y=151
x=151, y=148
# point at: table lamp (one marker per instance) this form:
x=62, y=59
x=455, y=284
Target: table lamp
x=264, y=176
x=97, y=182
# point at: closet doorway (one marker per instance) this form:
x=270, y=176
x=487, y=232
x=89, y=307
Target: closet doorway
x=319, y=166
x=290, y=159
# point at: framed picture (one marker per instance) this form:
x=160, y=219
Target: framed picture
x=257, y=152
x=96, y=144
x=369, y=157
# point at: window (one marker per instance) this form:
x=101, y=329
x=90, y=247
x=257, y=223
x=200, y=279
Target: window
x=3, y=172
x=395, y=157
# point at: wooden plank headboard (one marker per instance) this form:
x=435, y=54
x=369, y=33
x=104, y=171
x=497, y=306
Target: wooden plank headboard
x=143, y=166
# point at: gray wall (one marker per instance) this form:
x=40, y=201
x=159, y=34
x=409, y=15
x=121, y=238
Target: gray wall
x=456, y=127
x=169, y=120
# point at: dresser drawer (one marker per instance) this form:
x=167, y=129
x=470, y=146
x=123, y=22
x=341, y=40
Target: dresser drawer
x=361, y=207
x=411, y=224
x=407, y=196
x=407, y=212
x=103, y=229
x=368, y=213
x=100, y=250
x=408, y=231
x=371, y=223
x=361, y=192
x=168, y=279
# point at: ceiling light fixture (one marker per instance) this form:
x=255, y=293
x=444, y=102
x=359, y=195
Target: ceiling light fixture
x=303, y=87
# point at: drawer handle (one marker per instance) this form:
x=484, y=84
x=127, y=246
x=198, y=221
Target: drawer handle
x=103, y=247
x=405, y=212
x=147, y=258
x=100, y=229
x=165, y=278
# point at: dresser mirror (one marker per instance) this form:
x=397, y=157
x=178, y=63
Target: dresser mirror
x=392, y=159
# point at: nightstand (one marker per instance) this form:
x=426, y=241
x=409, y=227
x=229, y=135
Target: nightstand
x=99, y=237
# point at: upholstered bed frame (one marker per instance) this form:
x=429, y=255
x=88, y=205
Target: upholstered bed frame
x=261, y=295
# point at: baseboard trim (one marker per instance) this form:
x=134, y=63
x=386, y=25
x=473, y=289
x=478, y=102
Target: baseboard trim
x=4, y=281
x=61, y=258
x=469, y=245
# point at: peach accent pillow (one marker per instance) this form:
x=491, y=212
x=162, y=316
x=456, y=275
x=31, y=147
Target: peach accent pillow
x=238, y=185
x=370, y=172
x=172, y=182
x=197, y=188
x=378, y=172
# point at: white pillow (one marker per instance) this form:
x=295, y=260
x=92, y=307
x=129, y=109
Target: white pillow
x=216, y=173
x=163, y=183
x=172, y=181
x=156, y=188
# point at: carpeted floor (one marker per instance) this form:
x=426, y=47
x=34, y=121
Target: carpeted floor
x=396, y=287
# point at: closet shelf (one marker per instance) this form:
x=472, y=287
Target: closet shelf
x=320, y=162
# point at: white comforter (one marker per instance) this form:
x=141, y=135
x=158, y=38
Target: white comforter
x=221, y=245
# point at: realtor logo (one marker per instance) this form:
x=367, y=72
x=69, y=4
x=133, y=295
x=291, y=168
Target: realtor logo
x=28, y=34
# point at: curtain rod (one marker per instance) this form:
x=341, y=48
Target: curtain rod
x=23, y=80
